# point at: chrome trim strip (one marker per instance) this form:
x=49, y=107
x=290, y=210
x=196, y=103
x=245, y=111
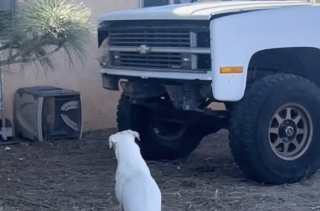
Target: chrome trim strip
x=157, y=69
x=164, y=75
x=163, y=50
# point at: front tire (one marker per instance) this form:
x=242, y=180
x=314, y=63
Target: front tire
x=275, y=130
x=153, y=145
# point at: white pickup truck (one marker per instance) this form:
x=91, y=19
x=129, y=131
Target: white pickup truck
x=260, y=58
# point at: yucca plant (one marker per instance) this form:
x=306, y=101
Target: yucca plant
x=44, y=27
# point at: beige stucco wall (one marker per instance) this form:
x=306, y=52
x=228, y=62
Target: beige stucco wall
x=99, y=104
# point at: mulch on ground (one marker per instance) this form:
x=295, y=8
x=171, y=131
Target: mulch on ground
x=79, y=176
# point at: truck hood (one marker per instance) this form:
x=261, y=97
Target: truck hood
x=196, y=11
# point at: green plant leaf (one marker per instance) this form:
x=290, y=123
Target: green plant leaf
x=44, y=27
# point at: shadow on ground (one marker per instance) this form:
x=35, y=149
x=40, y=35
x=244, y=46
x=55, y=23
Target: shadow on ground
x=79, y=176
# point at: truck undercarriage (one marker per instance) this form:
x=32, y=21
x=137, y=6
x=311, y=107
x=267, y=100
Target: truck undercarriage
x=176, y=102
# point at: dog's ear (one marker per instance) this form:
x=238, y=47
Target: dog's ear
x=112, y=141
x=135, y=134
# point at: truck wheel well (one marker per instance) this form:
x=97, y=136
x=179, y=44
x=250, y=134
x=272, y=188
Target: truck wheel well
x=302, y=61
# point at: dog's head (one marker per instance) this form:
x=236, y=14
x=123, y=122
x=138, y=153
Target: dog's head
x=127, y=135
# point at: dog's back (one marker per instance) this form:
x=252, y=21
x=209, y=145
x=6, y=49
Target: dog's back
x=141, y=193
x=136, y=190
x=135, y=187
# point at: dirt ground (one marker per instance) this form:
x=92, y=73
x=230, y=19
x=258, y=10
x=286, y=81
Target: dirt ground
x=79, y=176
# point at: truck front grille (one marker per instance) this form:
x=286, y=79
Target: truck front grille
x=159, y=45
x=151, y=60
x=150, y=37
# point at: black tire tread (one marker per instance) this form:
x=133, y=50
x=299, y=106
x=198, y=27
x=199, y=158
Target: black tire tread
x=240, y=130
x=149, y=149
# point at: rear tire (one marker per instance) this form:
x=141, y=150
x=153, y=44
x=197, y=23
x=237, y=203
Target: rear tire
x=261, y=138
x=153, y=146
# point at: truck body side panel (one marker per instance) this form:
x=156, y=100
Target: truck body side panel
x=236, y=38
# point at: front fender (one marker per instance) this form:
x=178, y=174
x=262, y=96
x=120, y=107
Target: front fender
x=236, y=38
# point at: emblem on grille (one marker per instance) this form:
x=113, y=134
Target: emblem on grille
x=143, y=49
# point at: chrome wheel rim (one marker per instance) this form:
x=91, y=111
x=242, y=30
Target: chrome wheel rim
x=290, y=131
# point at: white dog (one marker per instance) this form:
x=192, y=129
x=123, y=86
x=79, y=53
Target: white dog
x=103, y=53
x=135, y=188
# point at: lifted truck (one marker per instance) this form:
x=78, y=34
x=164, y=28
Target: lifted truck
x=260, y=58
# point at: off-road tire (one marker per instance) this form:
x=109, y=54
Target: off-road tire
x=135, y=117
x=249, y=141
